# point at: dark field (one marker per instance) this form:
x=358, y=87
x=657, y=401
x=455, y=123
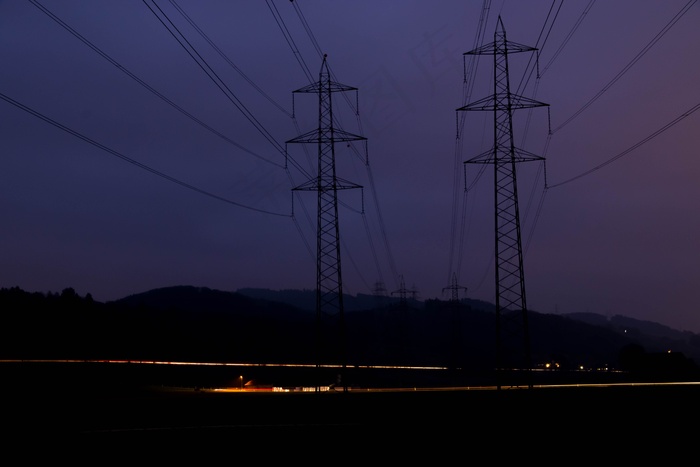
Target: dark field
x=646, y=422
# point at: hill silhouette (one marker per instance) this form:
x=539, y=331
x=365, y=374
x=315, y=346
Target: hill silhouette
x=258, y=326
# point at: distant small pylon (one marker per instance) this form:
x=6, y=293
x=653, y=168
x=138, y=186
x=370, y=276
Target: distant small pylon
x=404, y=292
x=454, y=288
x=379, y=289
x=379, y=292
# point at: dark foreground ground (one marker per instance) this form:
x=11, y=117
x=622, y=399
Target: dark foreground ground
x=100, y=417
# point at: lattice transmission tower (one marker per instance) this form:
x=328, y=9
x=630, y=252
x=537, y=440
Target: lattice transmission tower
x=331, y=345
x=512, y=333
x=403, y=321
x=455, y=308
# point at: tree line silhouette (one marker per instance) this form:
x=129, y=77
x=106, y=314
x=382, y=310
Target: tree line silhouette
x=195, y=324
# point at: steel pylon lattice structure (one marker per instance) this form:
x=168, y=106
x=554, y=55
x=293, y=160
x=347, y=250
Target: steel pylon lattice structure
x=512, y=333
x=330, y=333
x=454, y=289
x=456, y=309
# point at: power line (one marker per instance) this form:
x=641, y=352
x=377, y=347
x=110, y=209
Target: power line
x=120, y=67
x=458, y=226
x=143, y=83
x=568, y=36
x=521, y=87
x=248, y=115
x=633, y=147
x=231, y=96
x=228, y=60
x=191, y=51
x=130, y=160
x=627, y=67
x=257, y=88
x=288, y=37
x=307, y=28
x=590, y=102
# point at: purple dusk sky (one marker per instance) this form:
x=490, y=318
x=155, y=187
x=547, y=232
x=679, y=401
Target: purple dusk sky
x=137, y=156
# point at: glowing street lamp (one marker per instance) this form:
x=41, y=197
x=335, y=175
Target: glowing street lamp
x=241, y=382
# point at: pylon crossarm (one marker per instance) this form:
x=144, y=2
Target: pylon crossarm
x=316, y=136
x=486, y=103
x=522, y=102
x=486, y=157
x=326, y=86
x=498, y=48
x=521, y=155
x=341, y=184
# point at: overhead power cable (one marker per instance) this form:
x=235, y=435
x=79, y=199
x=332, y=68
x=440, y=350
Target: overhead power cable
x=523, y=85
x=262, y=92
x=459, y=225
x=633, y=147
x=192, y=52
x=627, y=67
x=130, y=160
x=618, y=76
x=288, y=37
x=227, y=59
x=307, y=28
x=568, y=36
x=120, y=67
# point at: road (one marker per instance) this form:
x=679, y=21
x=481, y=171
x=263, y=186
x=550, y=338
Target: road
x=392, y=424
